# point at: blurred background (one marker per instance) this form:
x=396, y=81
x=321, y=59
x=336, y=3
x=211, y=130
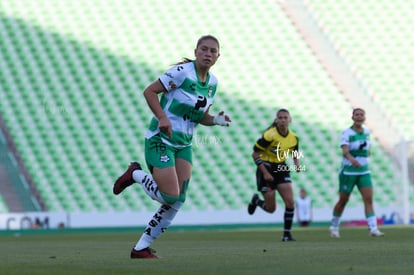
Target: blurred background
x=72, y=113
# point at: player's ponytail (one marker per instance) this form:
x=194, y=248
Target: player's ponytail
x=274, y=123
x=184, y=60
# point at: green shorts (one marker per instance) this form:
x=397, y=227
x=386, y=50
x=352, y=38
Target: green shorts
x=348, y=182
x=160, y=155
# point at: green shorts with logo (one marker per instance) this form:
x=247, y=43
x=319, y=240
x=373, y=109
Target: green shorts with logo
x=348, y=182
x=160, y=155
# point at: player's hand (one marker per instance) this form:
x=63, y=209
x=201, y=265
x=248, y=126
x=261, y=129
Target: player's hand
x=268, y=177
x=355, y=163
x=222, y=119
x=165, y=126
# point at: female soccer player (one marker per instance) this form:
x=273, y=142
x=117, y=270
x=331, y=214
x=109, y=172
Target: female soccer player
x=270, y=153
x=188, y=90
x=355, y=144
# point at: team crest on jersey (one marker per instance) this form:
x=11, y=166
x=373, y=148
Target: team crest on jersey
x=164, y=158
x=172, y=84
x=210, y=91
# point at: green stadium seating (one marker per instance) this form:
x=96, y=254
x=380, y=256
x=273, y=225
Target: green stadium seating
x=378, y=50
x=3, y=206
x=75, y=109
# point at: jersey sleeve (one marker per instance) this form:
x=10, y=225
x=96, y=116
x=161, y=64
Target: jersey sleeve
x=297, y=143
x=264, y=141
x=174, y=77
x=344, y=138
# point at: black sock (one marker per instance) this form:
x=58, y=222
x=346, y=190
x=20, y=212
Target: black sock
x=288, y=220
x=261, y=204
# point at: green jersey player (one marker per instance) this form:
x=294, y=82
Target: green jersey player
x=187, y=92
x=355, y=144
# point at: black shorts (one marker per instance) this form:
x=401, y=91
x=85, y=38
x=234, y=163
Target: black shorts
x=280, y=173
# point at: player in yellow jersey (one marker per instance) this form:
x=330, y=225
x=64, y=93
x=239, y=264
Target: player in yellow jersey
x=270, y=153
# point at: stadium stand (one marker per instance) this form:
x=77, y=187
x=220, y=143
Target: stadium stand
x=372, y=36
x=3, y=206
x=73, y=78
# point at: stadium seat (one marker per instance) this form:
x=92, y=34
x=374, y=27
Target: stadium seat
x=75, y=109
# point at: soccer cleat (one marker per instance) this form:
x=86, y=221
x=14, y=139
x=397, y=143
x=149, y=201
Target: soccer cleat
x=376, y=233
x=287, y=238
x=125, y=179
x=334, y=232
x=253, y=204
x=146, y=253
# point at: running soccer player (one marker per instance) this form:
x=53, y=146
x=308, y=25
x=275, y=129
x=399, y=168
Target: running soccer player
x=270, y=153
x=188, y=90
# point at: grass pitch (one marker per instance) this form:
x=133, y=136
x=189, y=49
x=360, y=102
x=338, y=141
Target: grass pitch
x=242, y=251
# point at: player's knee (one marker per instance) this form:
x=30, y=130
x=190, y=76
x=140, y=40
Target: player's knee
x=170, y=199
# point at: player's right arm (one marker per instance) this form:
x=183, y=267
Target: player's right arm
x=345, y=149
x=258, y=149
x=151, y=96
x=348, y=156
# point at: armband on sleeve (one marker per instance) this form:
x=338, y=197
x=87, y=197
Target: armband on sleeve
x=258, y=161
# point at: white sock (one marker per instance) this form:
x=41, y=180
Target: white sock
x=372, y=222
x=336, y=221
x=148, y=184
x=158, y=224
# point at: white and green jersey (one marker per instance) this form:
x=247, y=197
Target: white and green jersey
x=359, y=145
x=185, y=103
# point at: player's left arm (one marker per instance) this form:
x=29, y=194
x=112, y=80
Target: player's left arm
x=296, y=156
x=297, y=164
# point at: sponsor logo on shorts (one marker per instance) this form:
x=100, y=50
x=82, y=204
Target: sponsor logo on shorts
x=164, y=158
